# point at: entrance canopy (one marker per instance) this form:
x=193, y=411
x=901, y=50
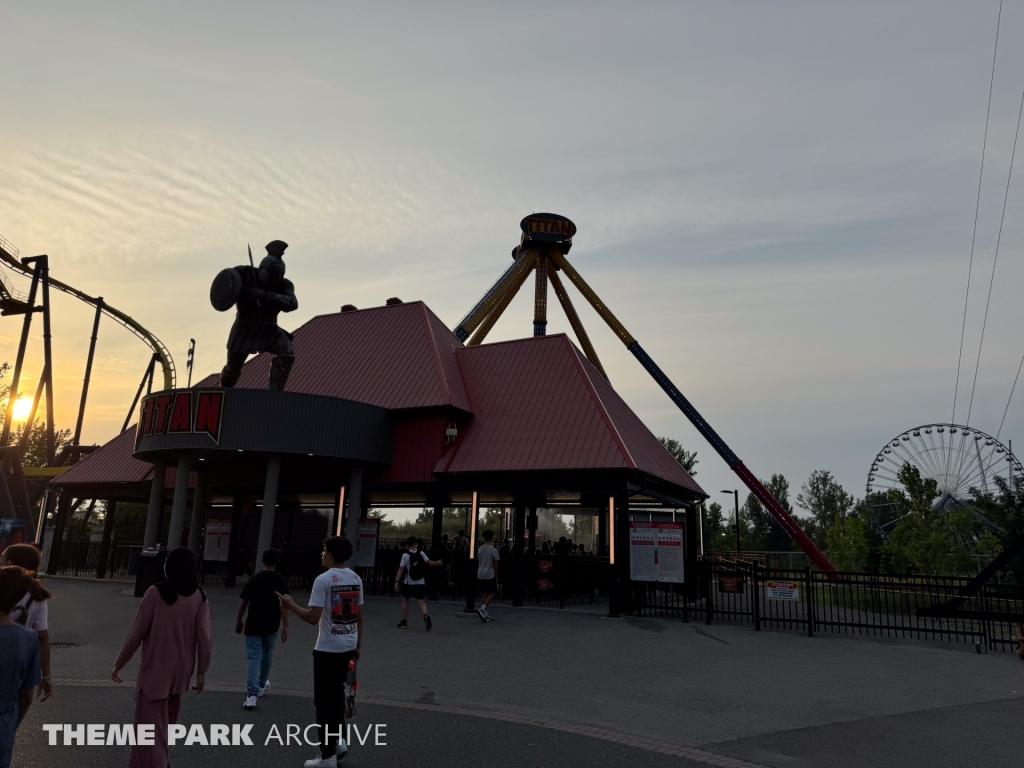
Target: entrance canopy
x=391, y=391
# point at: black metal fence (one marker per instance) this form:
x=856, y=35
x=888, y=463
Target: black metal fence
x=851, y=603
x=82, y=558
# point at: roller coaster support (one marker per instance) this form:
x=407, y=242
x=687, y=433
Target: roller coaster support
x=164, y=356
x=760, y=492
x=26, y=326
x=88, y=371
x=147, y=378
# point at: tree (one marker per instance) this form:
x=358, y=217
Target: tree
x=826, y=501
x=715, y=527
x=687, y=458
x=764, y=532
x=926, y=540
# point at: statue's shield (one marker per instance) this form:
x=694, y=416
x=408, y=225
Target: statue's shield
x=225, y=290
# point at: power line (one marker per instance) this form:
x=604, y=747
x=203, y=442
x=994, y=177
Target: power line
x=977, y=206
x=995, y=259
x=1007, y=409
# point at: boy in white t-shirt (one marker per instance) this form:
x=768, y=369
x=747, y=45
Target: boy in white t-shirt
x=413, y=568
x=487, y=559
x=335, y=604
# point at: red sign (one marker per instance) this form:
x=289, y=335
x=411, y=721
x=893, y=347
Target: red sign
x=549, y=224
x=182, y=412
x=732, y=584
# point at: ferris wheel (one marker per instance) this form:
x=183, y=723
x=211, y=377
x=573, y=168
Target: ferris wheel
x=958, y=458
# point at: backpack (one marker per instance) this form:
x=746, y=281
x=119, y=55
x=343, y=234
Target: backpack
x=417, y=568
x=23, y=618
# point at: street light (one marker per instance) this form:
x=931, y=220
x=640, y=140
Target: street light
x=736, y=498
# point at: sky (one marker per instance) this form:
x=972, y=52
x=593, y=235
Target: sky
x=777, y=200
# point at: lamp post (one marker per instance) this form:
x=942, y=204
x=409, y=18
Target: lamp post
x=736, y=518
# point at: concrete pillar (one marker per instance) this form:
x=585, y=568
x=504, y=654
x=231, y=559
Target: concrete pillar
x=63, y=512
x=233, y=542
x=518, y=553
x=180, y=503
x=437, y=529
x=156, y=503
x=108, y=533
x=353, y=501
x=195, y=528
x=269, y=506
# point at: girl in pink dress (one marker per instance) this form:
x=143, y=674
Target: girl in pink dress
x=173, y=628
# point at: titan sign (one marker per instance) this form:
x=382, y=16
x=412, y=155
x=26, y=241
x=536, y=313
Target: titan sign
x=182, y=412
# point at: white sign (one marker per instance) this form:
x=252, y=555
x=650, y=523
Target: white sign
x=218, y=539
x=656, y=552
x=366, y=548
x=782, y=590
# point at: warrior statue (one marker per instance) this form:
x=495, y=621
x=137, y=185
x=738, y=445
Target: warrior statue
x=257, y=297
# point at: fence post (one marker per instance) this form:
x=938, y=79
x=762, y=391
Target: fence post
x=757, y=597
x=709, y=603
x=810, y=600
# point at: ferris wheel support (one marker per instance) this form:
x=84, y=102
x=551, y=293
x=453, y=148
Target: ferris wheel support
x=546, y=240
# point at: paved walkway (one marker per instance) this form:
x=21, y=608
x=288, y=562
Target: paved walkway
x=568, y=688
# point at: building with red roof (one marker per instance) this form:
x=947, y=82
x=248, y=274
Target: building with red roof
x=386, y=407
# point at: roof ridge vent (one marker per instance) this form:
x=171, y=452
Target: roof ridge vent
x=393, y=301
x=349, y=307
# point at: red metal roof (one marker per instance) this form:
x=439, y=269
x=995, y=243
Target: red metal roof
x=111, y=463
x=394, y=357
x=539, y=404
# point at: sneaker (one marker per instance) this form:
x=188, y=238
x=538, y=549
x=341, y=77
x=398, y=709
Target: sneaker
x=403, y=624
x=480, y=612
x=322, y=762
x=263, y=690
x=427, y=623
x=250, y=703
x=340, y=750
x=489, y=617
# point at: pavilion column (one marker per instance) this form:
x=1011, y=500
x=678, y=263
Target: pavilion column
x=198, y=521
x=60, y=523
x=156, y=503
x=518, y=574
x=180, y=503
x=234, y=541
x=691, y=549
x=531, y=526
x=434, y=575
x=108, y=533
x=617, y=514
x=437, y=524
x=474, y=515
x=269, y=506
x=354, y=507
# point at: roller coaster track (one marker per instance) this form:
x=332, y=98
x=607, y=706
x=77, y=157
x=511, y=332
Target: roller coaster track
x=9, y=254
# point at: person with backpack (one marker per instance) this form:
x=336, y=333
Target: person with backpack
x=19, y=650
x=413, y=567
x=31, y=611
x=487, y=559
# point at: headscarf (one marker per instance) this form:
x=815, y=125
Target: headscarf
x=180, y=569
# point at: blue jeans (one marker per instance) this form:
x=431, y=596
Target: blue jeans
x=259, y=653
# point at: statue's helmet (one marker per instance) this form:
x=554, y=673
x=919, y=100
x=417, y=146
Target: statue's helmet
x=276, y=248
x=272, y=269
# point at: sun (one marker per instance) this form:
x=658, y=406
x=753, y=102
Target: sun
x=22, y=406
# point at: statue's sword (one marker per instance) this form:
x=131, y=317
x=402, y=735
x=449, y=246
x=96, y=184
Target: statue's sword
x=252, y=266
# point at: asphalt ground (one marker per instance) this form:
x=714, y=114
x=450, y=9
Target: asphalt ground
x=567, y=688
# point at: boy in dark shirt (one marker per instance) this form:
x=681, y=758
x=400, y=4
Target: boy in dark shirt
x=19, y=649
x=259, y=595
